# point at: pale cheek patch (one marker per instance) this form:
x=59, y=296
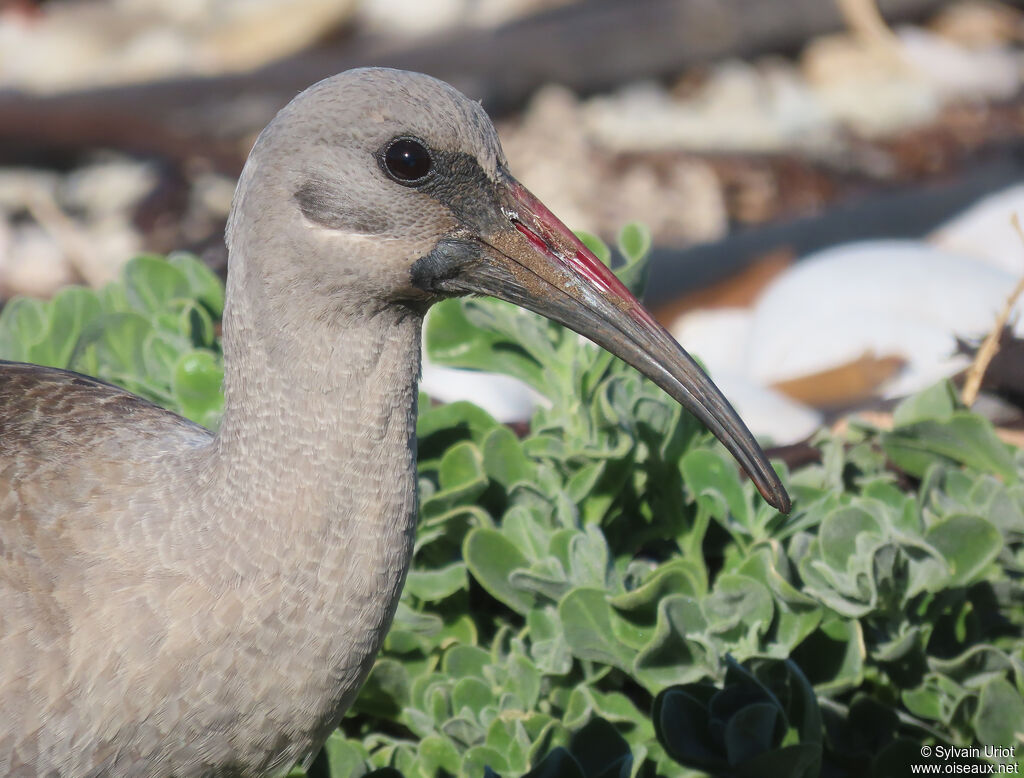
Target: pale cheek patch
x=327, y=206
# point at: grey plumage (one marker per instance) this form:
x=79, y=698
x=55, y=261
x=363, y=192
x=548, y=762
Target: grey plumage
x=174, y=602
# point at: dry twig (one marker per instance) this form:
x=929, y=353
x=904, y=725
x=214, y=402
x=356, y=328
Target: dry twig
x=866, y=22
x=68, y=235
x=990, y=346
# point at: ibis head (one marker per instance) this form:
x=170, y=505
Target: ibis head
x=399, y=194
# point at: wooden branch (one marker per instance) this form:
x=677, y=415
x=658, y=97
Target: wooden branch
x=588, y=47
x=990, y=346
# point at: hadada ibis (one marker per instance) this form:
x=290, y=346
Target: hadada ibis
x=179, y=602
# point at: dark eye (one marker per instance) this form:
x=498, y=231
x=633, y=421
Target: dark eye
x=407, y=160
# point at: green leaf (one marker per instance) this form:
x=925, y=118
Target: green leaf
x=673, y=577
x=968, y=543
x=677, y=651
x=580, y=487
x=510, y=738
x=559, y=763
x=965, y=438
x=601, y=751
x=477, y=758
x=452, y=340
x=738, y=605
x=925, y=701
x=504, y=458
x=151, y=283
x=462, y=465
x=454, y=421
x=852, y=594
x=463, y=661
x=716, y=485
x=547, y=641
x=491, y=558
x=528, y=530
x=462, y=479
x=197, y=379
x=999, y=720
x=546, y=578
x=344, y=758
x=435, y=754
x=119, y=341
x=203, y=283
x=587, y=619
x=832, y=657
x=936, y=403
x=159, y=355
x=797, y=614
x=938, y=697
x=802, y=760
x=525, y=681
x=434, y=585
x=634, y=241
x=634, y=244
x=462, y=629
x=683, y=726
x=765, y=720
x=70, y=310
x=23, y=324
x=975, y=664
x=386, y=691
x=588, y=557
x=195, y=323
x=471, y=693
x=802, y=708
x=752, y=730
x=841, y=532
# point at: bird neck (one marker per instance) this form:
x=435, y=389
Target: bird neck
x=319, y=416
x=313, y=471
x=308, y=490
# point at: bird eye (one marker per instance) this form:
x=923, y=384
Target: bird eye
x=407, y=160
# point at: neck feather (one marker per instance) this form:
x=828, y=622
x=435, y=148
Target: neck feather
x=319, y=422
x=311, y=484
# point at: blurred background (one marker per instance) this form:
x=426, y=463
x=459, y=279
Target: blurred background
x=830, y=184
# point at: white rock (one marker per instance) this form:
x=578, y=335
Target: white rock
x=720, y=339
x=956, y=71
x=867, y=86
x=20, y=186
x=35, y=264
x=741, y=106
x=985, y=231
x=411, y=17
x=898, y=298
x=110, y=187
x=716, y=336
x=78, y=226
x=75, y=45
x=507, y=399
x=979, y=23
x=880, y=89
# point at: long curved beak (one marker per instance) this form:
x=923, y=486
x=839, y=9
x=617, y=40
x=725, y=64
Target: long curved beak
x=537, y=263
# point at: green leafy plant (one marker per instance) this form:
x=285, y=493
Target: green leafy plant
x=152, y=332
x=764, y=721
x=605, y=595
